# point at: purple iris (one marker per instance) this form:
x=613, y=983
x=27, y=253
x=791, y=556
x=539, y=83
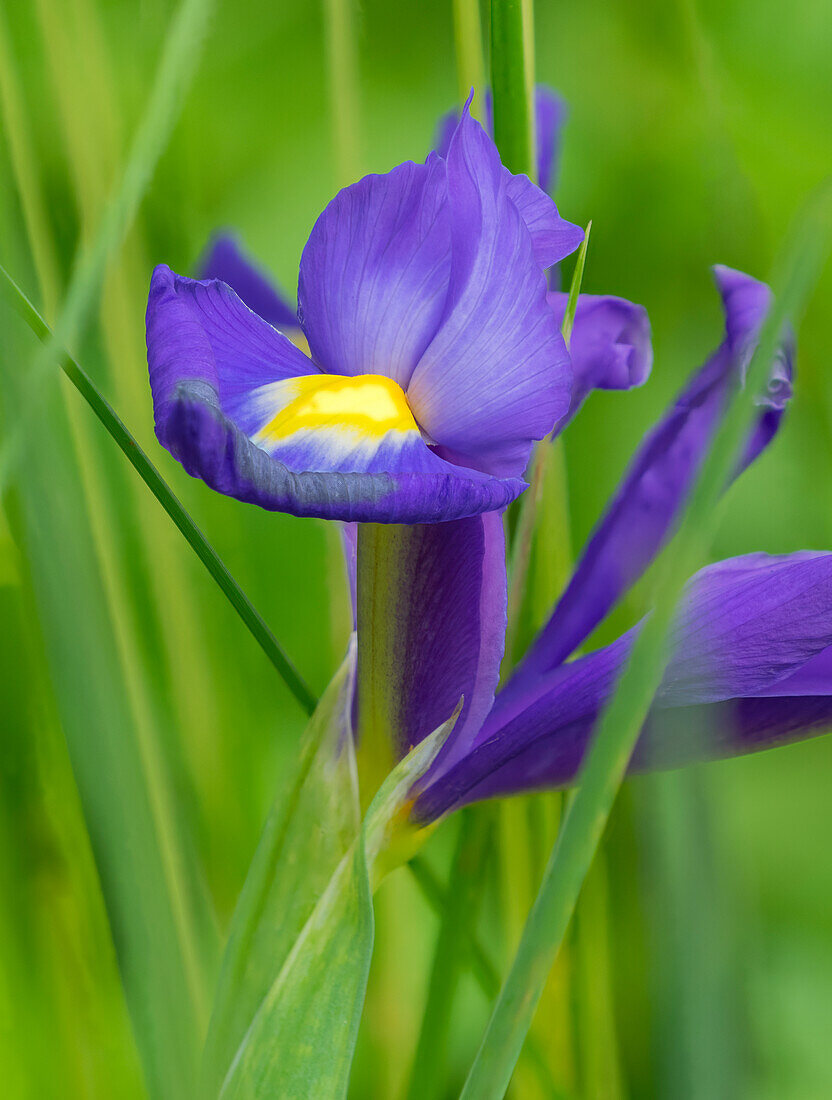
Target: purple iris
x=435, y=362
x=435, y=359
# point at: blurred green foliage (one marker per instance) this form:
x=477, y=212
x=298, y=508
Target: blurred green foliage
x=695, y=129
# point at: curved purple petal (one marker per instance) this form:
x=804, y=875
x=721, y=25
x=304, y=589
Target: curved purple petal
x=496, y=375
x=435, y=629
x=200, y=332
x=550, y=115
x=553, y=238
x=645, y=506
x=225, y=260
x=234, y=401
x=610, y=345
x=374, y=273
x=752, y=639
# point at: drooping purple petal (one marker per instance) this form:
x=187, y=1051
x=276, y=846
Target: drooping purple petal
x=550, y=115
x=610, y=345
x=202, y=333
x=374, y=273
x=431, y=628
x=496, y=375
x=553, y=238
x=226, y=260
x=234, y=401
x=751, y=666
x=645, y=506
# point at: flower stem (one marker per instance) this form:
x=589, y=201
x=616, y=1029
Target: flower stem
x=470, y=64
x=166, y=497
x=512, y=83
x=620, y=724
x=342, y=67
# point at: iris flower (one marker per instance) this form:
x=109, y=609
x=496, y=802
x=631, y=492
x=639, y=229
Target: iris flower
x=434, y=363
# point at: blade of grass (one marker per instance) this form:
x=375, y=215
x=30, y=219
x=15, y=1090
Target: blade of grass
x=621, y=722
x=427, y=1078
x=28, y=181
x=180, y=53
x=149, y=903
x=164, y=494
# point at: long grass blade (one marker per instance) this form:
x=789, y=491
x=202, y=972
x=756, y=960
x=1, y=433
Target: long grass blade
x=180, y=54
x=427, y=1080
x=621, y=723
x=166, y=497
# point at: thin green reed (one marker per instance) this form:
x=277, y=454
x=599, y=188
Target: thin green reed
x=166, y=497
x=181, y=52
x=620, y=725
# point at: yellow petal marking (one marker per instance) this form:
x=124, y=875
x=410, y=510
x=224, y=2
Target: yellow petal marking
x=364, y=405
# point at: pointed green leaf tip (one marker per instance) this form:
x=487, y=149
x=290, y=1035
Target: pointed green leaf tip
x=307, y=997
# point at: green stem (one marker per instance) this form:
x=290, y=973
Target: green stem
x=470, y=65
x=165, y=495
x=620, y=724
x=342, y=67
x=512, y=83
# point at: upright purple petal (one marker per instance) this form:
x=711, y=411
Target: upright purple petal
x=496, y=375
x=645, y=506
x=431, y=628
x=751, y=640
x=553, y=238
x=610, y=345
x=550, y=115
x=225, y=260
x=238, y=404
x=374, y=273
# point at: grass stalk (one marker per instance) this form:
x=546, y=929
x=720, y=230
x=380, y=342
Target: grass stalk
x=167, y=498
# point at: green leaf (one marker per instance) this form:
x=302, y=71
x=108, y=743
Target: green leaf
x=575, y=287
x=313, y=823
x=301, y=1041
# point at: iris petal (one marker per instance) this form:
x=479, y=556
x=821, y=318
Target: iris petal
x=644, y=508
x=750, y=631
x=225, y=260
x=374, y=273
x=434, y=631
x=220, y=375
x=496, y=375
x=610, y=345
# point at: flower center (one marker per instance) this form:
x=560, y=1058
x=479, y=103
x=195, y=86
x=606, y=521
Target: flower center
x=366, y=404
